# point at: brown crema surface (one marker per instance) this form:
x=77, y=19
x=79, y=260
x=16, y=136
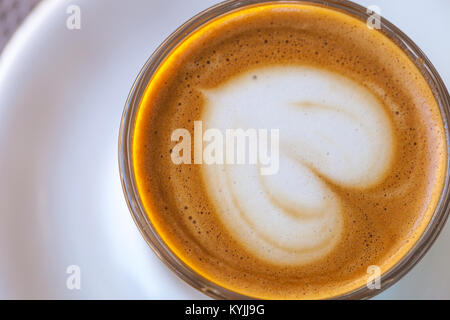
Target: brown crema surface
x=381, y=224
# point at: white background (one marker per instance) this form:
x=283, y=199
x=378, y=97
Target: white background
x=61, y=98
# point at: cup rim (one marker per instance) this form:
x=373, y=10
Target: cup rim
x=157, y=244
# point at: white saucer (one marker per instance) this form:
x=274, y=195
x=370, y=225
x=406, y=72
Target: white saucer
x=62, y=94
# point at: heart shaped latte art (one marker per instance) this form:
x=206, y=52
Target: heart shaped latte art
x=331, y=129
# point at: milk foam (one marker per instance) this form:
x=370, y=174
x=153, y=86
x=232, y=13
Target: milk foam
x=331, y=128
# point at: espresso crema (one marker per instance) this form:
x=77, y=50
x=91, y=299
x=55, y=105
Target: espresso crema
x=362, y=152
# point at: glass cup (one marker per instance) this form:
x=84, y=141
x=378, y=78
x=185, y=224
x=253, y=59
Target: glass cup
x=126, y=135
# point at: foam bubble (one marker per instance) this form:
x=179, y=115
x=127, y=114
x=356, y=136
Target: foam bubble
x=331, y=130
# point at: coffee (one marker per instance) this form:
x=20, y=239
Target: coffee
x=362, y=152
